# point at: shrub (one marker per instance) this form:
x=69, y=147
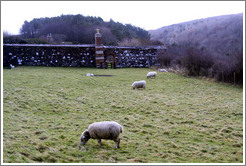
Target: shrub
x=13, y=40
x=171, y=56
x=229, y=69
x=35, y=41
x=197, y=61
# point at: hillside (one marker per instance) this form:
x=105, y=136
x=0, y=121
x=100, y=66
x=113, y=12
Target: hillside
x=81, y=29
x=221, y=35
x=211, y=47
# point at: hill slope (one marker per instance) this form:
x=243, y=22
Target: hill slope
x=221, y=35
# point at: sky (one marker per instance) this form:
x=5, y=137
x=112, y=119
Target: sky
x=148, y=15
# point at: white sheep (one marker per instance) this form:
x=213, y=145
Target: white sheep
x=151, y=74
x=89, y=74
x=139, y=84
x=162, y=70
x=12, y=66
x=103, y=130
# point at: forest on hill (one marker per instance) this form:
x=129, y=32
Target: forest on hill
x=79, y=29
x=221, y=34
x=211, y=47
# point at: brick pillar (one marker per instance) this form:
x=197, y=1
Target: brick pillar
x=99, y=55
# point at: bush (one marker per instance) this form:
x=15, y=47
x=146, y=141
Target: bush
x=229, y=69
x=197, y=61
x=13, y=40
x=35, y=41
x=171, y=56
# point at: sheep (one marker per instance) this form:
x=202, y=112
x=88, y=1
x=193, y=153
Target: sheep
x=151, y=74
x=162, y=70
x=103, y=130
x=89, y=74
x=139, y=84
x=11, y=66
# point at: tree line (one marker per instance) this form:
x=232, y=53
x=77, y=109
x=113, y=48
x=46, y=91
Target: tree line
x=79, y=29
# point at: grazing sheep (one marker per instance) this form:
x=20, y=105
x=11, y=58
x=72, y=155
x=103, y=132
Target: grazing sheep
x=162, y=70
x=103, y=130
x=89, y=74
x=139, y=84
x=151, y=74
x=12, y=66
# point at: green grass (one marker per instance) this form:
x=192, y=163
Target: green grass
x=174, y=120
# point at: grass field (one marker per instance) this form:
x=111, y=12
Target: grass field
x=174, y=120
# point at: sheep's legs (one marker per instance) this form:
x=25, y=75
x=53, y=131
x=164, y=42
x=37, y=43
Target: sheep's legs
x=117, y=143
x=99, y=142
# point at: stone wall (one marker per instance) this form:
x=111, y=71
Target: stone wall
x=49, y=55
x=134, y=56
x=76, y=55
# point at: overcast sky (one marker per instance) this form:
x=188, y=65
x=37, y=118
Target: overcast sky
x=145, y=14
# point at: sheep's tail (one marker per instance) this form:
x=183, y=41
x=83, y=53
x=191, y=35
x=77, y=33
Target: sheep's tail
x=121, y=129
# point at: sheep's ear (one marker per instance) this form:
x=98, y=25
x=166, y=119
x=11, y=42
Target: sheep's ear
x=86, y=133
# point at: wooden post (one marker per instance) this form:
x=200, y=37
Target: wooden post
x=234, y=77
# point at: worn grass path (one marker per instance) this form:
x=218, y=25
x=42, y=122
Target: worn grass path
x=174, y=120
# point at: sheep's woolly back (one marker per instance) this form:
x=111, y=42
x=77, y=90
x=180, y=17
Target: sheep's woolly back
x=139, y=84
x=162, y=70
x=105, y=130
x=89, y=74
x=152, y=73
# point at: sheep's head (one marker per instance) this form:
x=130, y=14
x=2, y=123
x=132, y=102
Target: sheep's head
x=85, y=136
